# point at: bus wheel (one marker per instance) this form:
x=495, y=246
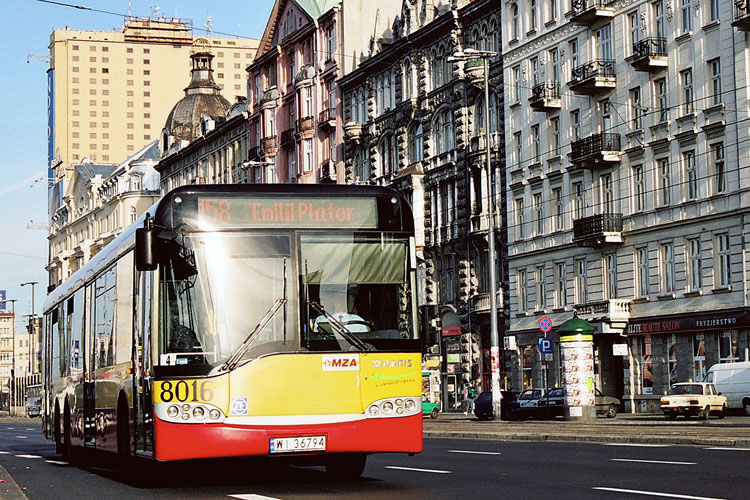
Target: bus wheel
x=123, y=433
x=56, y=430
x=346, y=467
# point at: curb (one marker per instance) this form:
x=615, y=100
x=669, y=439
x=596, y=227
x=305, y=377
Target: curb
x=9, y=490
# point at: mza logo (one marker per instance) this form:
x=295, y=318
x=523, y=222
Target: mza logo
x=239, y=406
x=340, y=362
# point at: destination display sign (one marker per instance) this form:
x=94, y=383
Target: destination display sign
x=234, y=212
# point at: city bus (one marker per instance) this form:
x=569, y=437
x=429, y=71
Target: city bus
x=243, y=320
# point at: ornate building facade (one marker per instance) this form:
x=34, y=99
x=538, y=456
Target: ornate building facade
x=414, y=120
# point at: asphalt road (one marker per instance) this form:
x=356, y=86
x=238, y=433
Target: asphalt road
x=447, y=469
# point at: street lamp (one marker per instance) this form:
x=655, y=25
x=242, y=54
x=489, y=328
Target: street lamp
x=256, y=163
x=12, y=381
x=31, y=326
x=485, y=55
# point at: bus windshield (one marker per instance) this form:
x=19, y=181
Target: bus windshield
x=224, y=293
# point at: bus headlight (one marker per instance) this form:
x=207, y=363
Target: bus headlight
x=199, y=412
x=189, y=413
x=173, y=411
x=393, y=407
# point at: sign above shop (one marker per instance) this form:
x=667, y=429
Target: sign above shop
x=690, y=323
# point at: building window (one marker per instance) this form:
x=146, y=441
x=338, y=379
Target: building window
x=728, y=348
x=667, y=268
x=578, y=200
x=717, y=162
x=443, y=131
x=514, y=28
x=551, y=10
x=660, y=100
x=699, y=356
x=723, y=261
x=647, y=377
x=610, y=264
x=686, y=10
x=686, y=77
x=714, y=70
x=330, y=41
x=713, y=10
x=643, y=278
x=554, y=131
x=521, y=290
x=665, y=187
x=528, y=365
x=581, y=285
x=636, y=109
x=607, y=193
x=541, y=289
x=695, y=267
x=573, y=54
x=532, y=15
x=575, y=125
x=691, y=176
x=518, y=143
x=639, y=189
x=560, y=286
x=658, y=18
x=519, y=219
x=387, y=152
x=538, y=211
x=558, y=218
x=516, y=89
x=416, y=143
x=307, y=155
x=635, y=29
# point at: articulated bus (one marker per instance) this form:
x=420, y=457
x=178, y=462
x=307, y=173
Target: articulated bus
x=243, y=320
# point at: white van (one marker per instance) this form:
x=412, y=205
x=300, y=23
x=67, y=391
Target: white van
x=733, y=381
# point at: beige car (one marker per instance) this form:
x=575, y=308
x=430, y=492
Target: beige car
x=693, y=398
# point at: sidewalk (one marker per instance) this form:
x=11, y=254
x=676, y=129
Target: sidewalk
x=733, y=431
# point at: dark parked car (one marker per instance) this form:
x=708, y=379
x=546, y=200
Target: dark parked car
x=508, y=405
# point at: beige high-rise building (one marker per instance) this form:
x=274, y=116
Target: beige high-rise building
x=110, y=92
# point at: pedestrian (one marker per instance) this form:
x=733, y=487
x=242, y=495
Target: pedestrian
x=470, y=395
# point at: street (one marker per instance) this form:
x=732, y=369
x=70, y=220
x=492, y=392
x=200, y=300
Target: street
x=447, y=469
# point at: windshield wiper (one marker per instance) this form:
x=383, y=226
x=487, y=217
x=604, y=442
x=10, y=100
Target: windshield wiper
x=339, y=328
x=231, y=363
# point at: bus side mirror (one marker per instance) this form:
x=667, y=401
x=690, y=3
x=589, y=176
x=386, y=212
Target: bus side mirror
x=145, y=257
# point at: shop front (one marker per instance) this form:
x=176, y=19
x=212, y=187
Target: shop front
x=681, y=348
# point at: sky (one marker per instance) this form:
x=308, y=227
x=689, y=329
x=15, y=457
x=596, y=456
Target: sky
x=24, y=43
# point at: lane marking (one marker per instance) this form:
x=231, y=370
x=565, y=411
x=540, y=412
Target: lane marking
x=22, y=437
x=476, y=452
x=645, y=445
x=4, y=453
x=251, y=496
x=414, y=469
x=56, y=462
x=727, y=449
x=28, y=456
x=651, y=461
x=654, y=493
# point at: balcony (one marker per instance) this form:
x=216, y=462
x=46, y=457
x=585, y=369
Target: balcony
x=287, y=138
x=304, y=124
x=327, y=171
x=352, y=131
x=268, y=98
x=598, y=230
x=269, y=145
x=611, y=310
x=587, y=12
x=304, y=77
x=742, y=15
x=593, y=77
x=649, y=55
x=474, y=71
x=327, y=119
x=598, y=150
x=545, y=97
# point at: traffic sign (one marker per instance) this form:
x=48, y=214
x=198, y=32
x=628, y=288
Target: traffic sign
x=545, y=346
x=545, y=324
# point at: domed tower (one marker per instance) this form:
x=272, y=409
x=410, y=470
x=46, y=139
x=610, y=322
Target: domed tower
x=202, y=103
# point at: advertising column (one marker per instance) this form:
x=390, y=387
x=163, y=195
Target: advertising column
x=577, y=357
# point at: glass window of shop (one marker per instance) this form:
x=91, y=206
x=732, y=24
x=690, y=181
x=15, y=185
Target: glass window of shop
x=528, y=364
x=699, y=356
x=647, y=377
x=728, y=350
x=672, y=365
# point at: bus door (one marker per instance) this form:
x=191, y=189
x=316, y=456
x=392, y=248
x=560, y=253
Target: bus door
x=89, y=387
x=144, y=422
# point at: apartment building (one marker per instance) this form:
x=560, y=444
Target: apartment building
x=414, y=120
x=7, y=329
x=627, y=182
x=293, y=98
x=110, y=92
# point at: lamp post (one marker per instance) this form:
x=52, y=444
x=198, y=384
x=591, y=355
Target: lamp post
x=484, y=56
x=12, y=382
x=32, y=348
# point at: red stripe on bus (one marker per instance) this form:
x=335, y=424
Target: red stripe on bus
x=190, y=441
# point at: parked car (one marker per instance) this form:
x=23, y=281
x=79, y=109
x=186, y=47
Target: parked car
x=508, y=406
x=430, y=409
x=606, y=405
x=733, y=381
x=693, y=398
x=529, y=397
